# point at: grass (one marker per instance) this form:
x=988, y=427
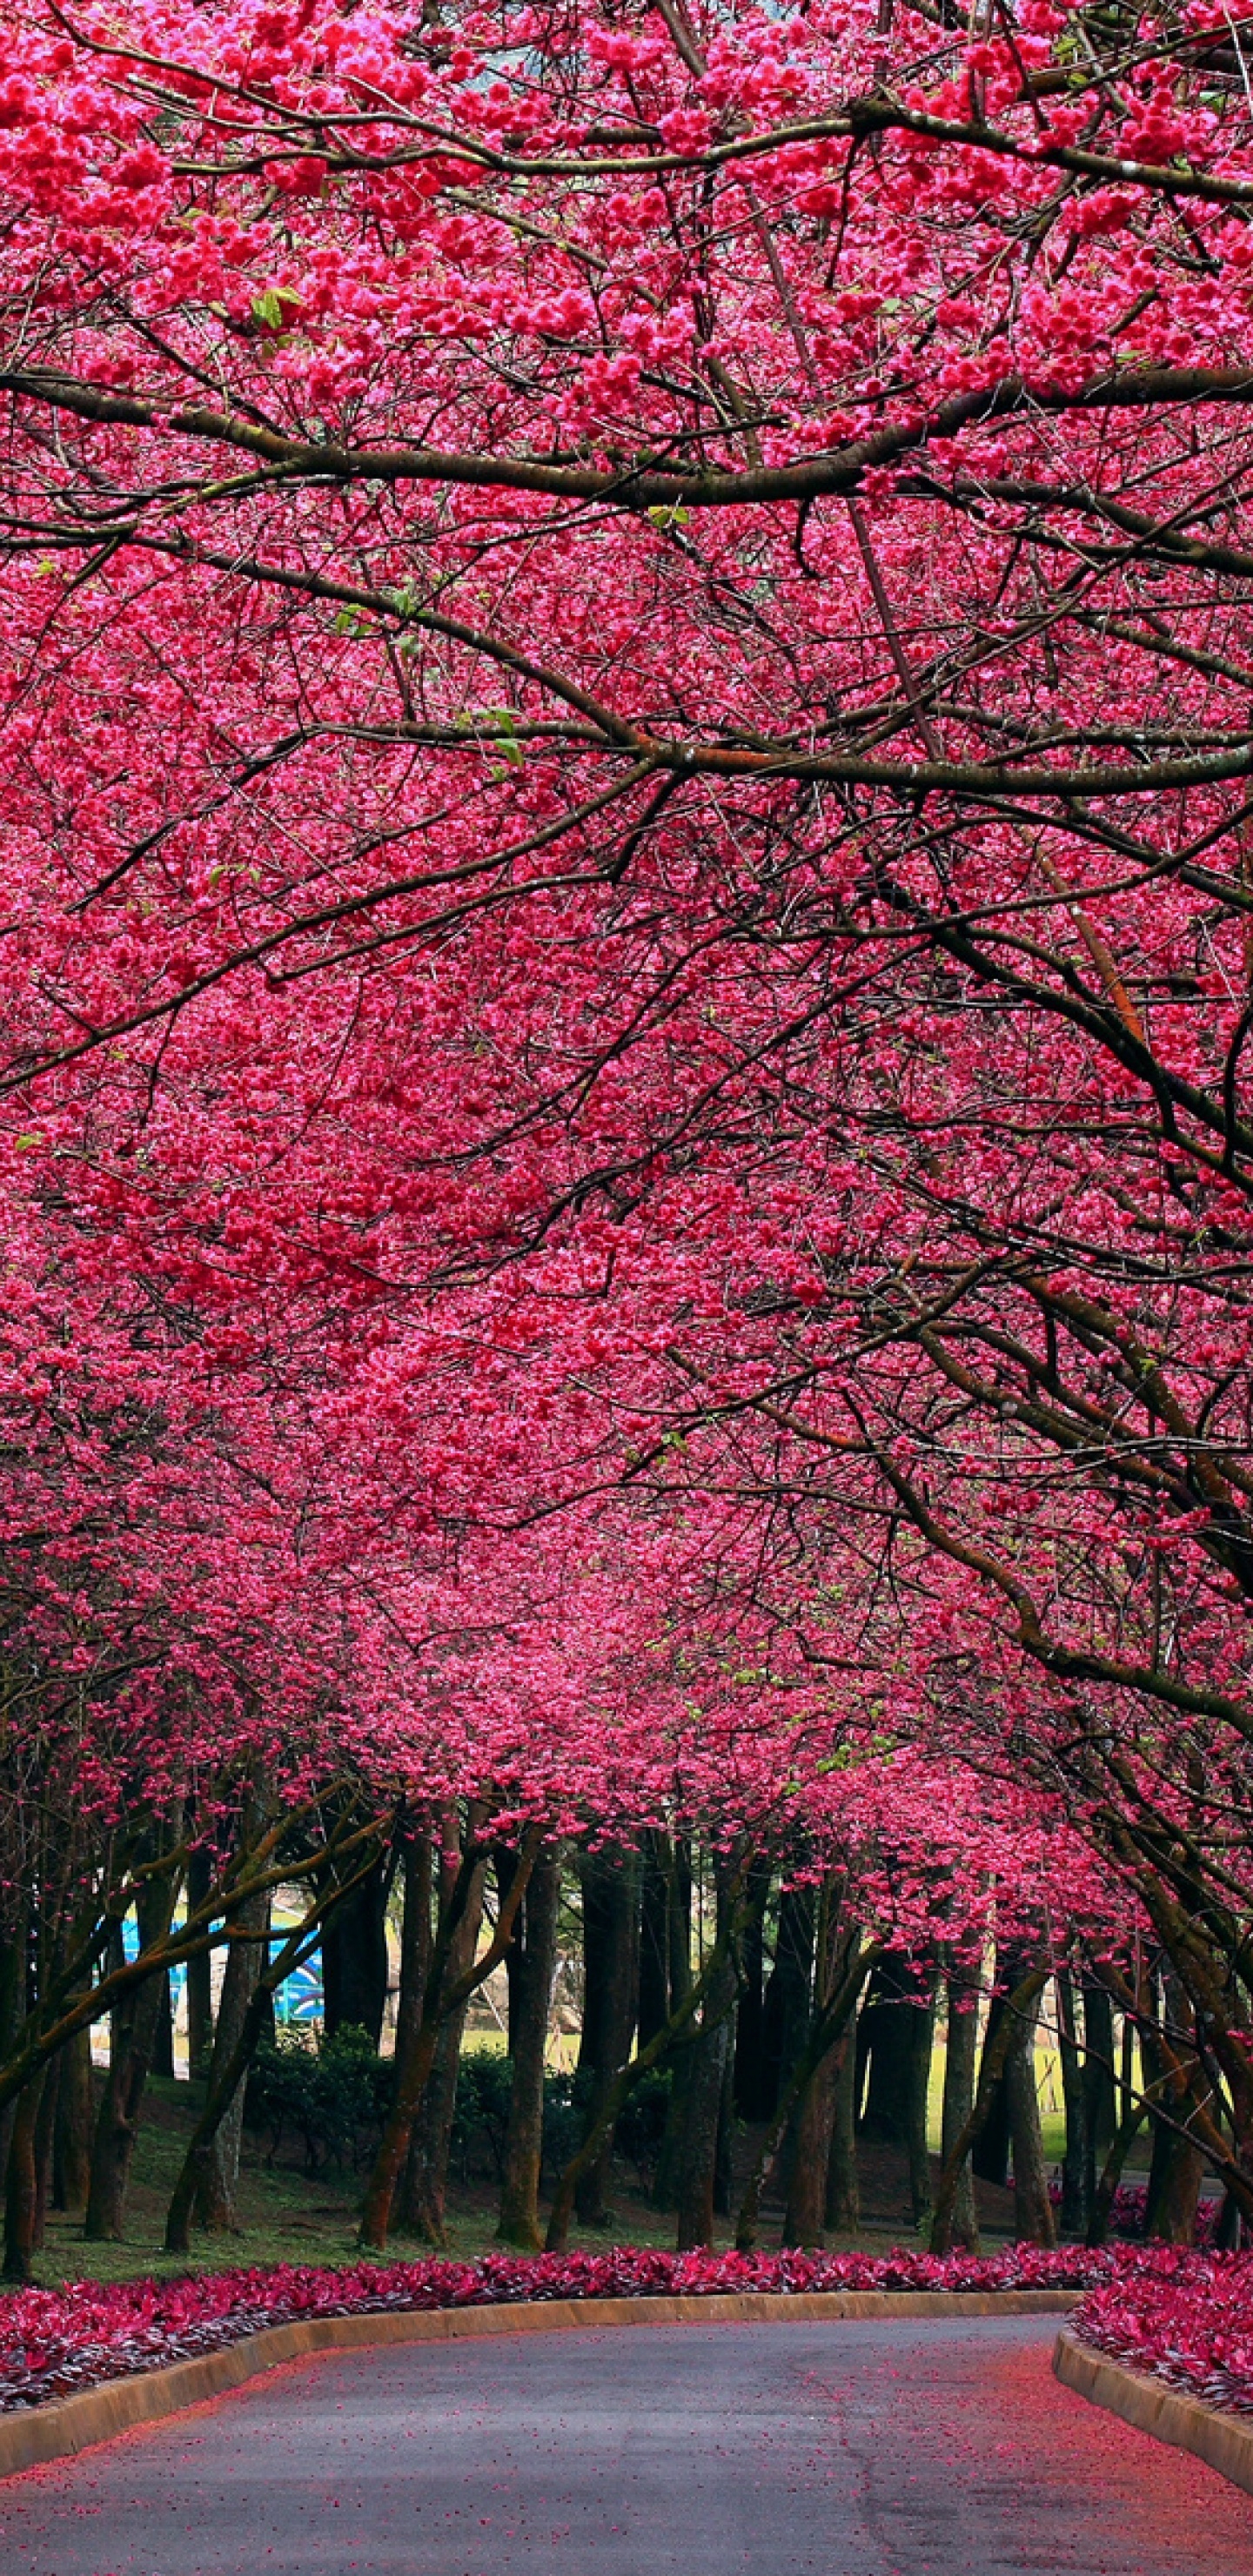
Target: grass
x=289, y=2216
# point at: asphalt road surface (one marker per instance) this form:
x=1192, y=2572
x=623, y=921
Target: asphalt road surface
x=942, y=2449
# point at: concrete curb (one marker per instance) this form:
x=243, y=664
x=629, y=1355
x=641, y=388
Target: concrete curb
x=76, y=2423
x=1223, y=2441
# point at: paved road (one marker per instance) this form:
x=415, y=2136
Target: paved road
x=941, y=2449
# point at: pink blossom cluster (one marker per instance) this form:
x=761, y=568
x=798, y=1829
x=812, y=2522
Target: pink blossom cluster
x=55, y=2342
x=1183, y=2318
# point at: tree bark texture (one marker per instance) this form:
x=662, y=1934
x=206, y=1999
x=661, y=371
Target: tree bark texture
x=354, y=1958
x=133, y=2042
x=422, y=2200
x=959, y=2092
x=786, y=2009
x=610, y=1884
x=708, y=2058
x=842, y=2215
x=71, y=2145
x=1077, y=2160
x=21, y=2186
x=216, y=2201
x=199, y=1976
x=524, y=2136
x=1033, y=2215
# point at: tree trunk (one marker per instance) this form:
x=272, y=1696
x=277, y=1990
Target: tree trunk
x=805, y=2212
x=1098, y=2068
x=665, y=2190
x=1177, y=2166
x=445, y=1997
x=133, y=2041
x=163, y=2041
x=656, y=1881
x=1021, y=2007
x=524, y=2137
x=709, y=2055
x=610, y=1883
x=415, y=1936
x=921, y=2044
x=71, y=2146
x=13, y=2001
x=807, y=2155
x=887, y=2044
x=990, y=2159
x=354, y=1958
x=215, y=2206
x=421, y=2209
x=20, y=2197
x=959, y=2094
x=786, y=2010
x=843, y=2209
x=1033, y=2214
x=45, y=2131
x=754, y=2098
x=199, y=1976
x=1077, y=2162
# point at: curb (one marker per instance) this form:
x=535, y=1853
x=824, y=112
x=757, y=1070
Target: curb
x=1222, y=2441
x=74, y=2424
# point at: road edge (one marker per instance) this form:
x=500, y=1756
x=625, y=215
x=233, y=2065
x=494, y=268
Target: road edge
x=56, y=2432
x=1222, y=2441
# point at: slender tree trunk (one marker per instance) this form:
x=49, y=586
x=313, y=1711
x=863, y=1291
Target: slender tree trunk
x=199, y=1976
x=14, y=1940
x=1019, y=2008
x=1177, y=2166
x=71, y=2151
x=45, y=2132
x=665, y=2190
x=1098, y=2072
x=638, y=2066
x=656, y=1880
x=354, y=1957
x=959, y=2094
x=21, y=2187
x=445, y=1996
x=990, y=2158
x=216, y=2201
x=754, y=2100
x=134, y=2035
x=524, y=2137
x=824, y=2035
x=843, y=2207
x=806, y=2208
x=921, y=2044
x=807, y=2154
x=709, y=2057
x=415, y=1936
x=163, y=2042
x=611, y=1980
x=789, y=1992
x=1033, y=2215
x=422, y=2205
x=1076, y=2208
x=1111, y=2175
x=887, y=2037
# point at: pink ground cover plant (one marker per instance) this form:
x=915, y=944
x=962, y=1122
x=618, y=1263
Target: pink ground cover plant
x=1181, y=2317
x=55, y=2342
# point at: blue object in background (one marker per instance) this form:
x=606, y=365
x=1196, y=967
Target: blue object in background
x=298, y=1999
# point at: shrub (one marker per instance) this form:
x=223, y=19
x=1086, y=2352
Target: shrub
x=332, y=2094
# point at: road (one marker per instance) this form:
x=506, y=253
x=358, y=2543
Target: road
x=934, y=2449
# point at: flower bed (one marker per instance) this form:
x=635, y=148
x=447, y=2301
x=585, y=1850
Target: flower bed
x=1180, y=2317
x=55, y=2342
